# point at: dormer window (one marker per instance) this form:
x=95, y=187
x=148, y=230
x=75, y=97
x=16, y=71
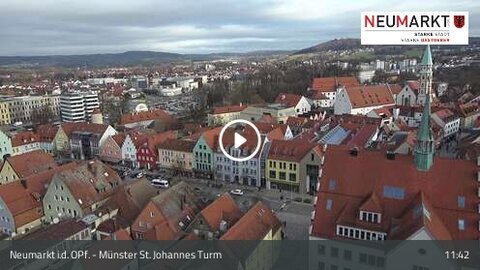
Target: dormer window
x=370, y=217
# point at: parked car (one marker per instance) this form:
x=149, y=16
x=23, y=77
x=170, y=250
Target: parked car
x=140, y=175
x=236, y=192
x=160, y=183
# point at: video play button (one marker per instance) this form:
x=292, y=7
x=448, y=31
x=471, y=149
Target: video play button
x=239, y=140
x=252, y=140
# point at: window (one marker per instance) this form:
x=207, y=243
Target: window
x=282, y=176
x=363, y=258
x=329, y=204
x=273, y=174
x=321, y=249
x=347, y=254
x=461, y=201
x=321, y=266
x=461, y=224
x=332, y=184
x=293, y=177
x=152, y=214
x=334, y=252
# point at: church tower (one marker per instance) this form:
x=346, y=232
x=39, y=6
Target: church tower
x=425, y=145
x=426, y=77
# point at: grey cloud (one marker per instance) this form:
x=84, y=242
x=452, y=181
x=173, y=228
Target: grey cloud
x=30, y=27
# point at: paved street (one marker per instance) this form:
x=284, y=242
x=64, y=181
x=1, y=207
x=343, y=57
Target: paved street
x=296, y=215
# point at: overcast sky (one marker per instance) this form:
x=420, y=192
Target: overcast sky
x=45, y=27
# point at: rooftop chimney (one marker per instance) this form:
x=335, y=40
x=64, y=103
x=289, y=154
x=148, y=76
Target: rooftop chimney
x=390, y=155
x=354, y=151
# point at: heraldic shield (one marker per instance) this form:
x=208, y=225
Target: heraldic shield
x=459, y=21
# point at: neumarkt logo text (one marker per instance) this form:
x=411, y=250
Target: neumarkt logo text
x=404, y=28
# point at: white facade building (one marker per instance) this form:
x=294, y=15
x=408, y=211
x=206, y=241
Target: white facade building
x=78, y=106
x=22, y=108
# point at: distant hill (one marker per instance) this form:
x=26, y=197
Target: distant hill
x=124, y=59
x=110, y=59
x=333, y=45
x=355, y=43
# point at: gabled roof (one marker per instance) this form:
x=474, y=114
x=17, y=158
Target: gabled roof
x=223, y=208
x=330, y=84
x=371, y=172
x=60, y=231
x=90, y=182
x=211, y=137
x=229, y=109
x=414, y=85
x=154, y=140
x=21, y=204
x=156, y=114
x=38, y=183
x=288, y=151
x=469, y=109
x=254, y=225
x=177, y=207
x=23, y=138
x=69, y=128
x=289, y=100
x=119, y=138
x=369, y=96
x=47, y=132
x=130, y=199
x=178, y=145
x=30, y=163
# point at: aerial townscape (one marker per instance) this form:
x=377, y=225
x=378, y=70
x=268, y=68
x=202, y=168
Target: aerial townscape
x=346, y=142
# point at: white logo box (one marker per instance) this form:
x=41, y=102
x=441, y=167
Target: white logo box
x=414, y=28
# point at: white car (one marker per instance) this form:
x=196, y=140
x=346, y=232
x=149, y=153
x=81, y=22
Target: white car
x=140, y=175
x=237, y=192
x=161, y=183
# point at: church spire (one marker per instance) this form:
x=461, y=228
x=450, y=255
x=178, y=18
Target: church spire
x=424, y=147
x=426, y=76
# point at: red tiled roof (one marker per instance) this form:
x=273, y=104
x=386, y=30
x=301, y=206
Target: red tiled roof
x=289, y=100
x=224, y=208
x=154, y=140
x=395, y=88
x=156, y=114
x=31, y=163
x=90, y=182
x=369, y=96
x=22, y=205
x=178, y=145
x=119, y=138
x=38, y=183
x=254, y=225
x=371, y=172
x=60, y=231
x=414, y=85
x=69, y=128
x=121, y=234
x=23, y=138
x=330, y=84
x=211, y=137
x=229, y=109
x=47, y=132
x=288, y=151
x=468, y=109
